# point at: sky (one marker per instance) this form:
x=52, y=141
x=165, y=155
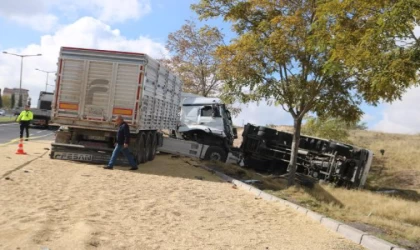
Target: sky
x=43, y=26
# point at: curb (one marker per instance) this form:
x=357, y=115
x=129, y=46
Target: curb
x=359, y=237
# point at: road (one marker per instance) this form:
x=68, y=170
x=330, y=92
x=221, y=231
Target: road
x=9, y=133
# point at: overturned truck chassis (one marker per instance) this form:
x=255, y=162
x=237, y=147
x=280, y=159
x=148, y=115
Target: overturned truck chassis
x=267, y=149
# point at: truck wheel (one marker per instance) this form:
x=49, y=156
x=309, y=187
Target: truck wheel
x=215, y=153
x=153, y=148
x=148, y=149
x=140, y=157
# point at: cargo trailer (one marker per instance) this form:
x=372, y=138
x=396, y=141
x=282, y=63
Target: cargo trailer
x=93, y=87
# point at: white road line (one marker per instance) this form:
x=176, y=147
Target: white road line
x=7, y=124
x=17, y=139
x=39, y=132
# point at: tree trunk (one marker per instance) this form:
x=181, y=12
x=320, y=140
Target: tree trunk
x=294, y=154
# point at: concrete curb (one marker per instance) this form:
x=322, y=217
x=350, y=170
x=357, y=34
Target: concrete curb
x=359, y=237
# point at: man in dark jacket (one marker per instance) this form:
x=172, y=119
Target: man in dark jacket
x=123, y=139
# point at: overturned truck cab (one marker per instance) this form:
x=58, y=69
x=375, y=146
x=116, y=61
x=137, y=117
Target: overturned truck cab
x=269, y=150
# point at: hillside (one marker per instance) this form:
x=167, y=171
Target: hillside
x=400, y=164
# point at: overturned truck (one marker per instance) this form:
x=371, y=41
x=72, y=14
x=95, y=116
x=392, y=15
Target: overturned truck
x=267, y=149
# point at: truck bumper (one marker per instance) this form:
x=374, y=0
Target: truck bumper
x=38, y=122
x=83, y=154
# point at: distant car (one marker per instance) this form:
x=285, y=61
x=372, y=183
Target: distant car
x=2, y=112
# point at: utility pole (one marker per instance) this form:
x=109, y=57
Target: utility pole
x=46, y=81
x=21, y=72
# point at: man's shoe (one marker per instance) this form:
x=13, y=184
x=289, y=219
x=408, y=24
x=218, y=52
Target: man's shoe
x=27, y=139
x=108, y=167
x=134, y=168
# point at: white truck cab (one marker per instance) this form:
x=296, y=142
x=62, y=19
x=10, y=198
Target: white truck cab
x=205, y=130
x=206, y=115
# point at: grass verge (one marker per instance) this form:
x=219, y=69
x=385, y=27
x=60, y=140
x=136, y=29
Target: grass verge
x=392, y=218
x=4, y=119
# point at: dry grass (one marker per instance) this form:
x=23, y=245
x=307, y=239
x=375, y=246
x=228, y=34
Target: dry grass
x=401, y=160
x=395, y=218
x=391, y=218
x=402, y=152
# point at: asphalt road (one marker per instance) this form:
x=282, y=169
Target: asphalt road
x=9, y=133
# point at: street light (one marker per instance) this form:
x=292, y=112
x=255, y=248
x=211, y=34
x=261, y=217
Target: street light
x=21, y=70
x=46, y=82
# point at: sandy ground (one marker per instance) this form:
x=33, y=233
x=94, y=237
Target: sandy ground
x=63, y=205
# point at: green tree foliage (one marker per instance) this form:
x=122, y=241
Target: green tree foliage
x=1, y=101
x=320, y=56
x=192, y=57
x=20, y=101
x=12, y=101
x=6, y=101
x=330, y=128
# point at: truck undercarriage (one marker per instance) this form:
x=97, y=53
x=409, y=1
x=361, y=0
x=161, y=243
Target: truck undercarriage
x=267, y=149
x=80, y=144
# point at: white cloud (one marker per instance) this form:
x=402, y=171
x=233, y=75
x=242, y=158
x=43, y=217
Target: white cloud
x=262, y=114
x=402, y=116
x=121, y=10
x=38, y=22
x=43, y=15
x=86, y=32
x=367, y=117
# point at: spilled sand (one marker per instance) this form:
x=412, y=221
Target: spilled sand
x=65, y=205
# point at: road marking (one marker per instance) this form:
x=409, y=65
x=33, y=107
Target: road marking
x=7, y=124
x=39, y=132
x=17, y=139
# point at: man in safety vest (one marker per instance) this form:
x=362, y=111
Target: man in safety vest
x=24, y=119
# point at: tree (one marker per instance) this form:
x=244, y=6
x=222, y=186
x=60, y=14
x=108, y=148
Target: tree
x=20, y=101
x=12, y=101
x=328, y=128
x=331, y=128
x=323, y=57
x=359, y=126
x=193, y=58
x=6, y=101
x=1, y=101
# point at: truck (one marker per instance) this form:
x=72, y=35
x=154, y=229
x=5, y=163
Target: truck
x=205, y=130
x=343, y=164
x=42, y=113
x=93, y=87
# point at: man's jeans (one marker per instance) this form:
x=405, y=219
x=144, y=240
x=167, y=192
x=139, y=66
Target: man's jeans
x=126, y=152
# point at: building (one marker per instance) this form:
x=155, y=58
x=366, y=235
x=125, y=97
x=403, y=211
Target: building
x=10, y=92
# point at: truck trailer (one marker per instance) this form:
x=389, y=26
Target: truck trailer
x=267, y=149
x=93, y=87
x=42, y=112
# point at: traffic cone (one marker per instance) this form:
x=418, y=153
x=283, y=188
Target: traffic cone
x=20, y=148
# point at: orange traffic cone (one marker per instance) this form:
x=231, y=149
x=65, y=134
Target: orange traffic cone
x=20, y=148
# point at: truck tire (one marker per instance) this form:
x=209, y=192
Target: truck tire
x=154, y=147
x=140, y=157
x=148, y=148
x=215, y=153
